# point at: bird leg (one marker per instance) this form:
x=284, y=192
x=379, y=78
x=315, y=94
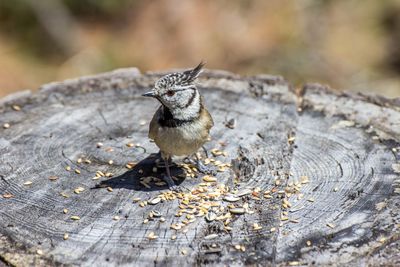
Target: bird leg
x=161, y=164
x=168, y=178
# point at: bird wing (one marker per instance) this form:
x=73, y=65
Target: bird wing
x=153, y=129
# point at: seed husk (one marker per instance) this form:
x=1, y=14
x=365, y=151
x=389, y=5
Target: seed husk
x=28, y=183
x=116, y=218
x=75, y=218
x=211, y=216
x=65, y=211
x=109, y=189
x=244, y=192
x=77, y=171
x=211, y=236
x=99, y=144
x=6, y=125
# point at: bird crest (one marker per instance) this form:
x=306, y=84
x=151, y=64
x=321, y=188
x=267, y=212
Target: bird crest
x=180, y=79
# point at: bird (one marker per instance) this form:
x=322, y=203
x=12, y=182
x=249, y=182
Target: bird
x=181, y=125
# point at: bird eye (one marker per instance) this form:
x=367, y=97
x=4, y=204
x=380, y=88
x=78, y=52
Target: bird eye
x=170, y=93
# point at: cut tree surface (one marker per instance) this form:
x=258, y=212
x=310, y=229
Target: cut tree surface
x=321, y=170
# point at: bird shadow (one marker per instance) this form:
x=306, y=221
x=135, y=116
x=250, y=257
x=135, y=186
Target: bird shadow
x=132, y=179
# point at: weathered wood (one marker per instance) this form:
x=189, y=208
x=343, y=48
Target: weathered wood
x=345, y=213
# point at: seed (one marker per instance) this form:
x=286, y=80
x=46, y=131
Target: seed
x=8, y=195
x=136, y=199
x=330, y=225
x=237, y=211
x=110, y=162
x=99, y=145
x=28, y=183
x=294, y=263
x=273, y=229
x=142, y=122
x=79, y=190
x=109, y=189
x=231, y=198
x=88, y=161
x=209, y=179
x=183, y=251
x=116, y=218
x=75, y=218
x=64, y=195
x=130, y=144
x=311, y=199
x=77, y=171
x=145, y=221
x=39, y=252
x=79, y=160
x=304, y=179
x=237, y=247
x=152, y=236
x=16, y=107
x=335, y=189
x=162, y=219
x=53, y=178
x=66, y=236
x=100, y=174
x=96, y=178
x=145, y=184
x=68, y=168
x=256, y=226
x=109, y=174
x=173, y=237
x=6, y=125
x=155, y=213
x=308, y=243
x=65, y=211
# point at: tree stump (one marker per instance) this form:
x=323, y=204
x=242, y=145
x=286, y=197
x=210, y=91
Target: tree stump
x=305, y=177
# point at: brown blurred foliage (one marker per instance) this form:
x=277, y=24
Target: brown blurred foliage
x=348, y=44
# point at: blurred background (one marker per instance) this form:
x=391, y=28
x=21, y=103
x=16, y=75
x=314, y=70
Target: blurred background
x=348, y=44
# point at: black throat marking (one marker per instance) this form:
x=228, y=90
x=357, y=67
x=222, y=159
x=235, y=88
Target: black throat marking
x=166, y=119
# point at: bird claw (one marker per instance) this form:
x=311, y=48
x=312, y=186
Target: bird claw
x=201, y=167
x=171, y=184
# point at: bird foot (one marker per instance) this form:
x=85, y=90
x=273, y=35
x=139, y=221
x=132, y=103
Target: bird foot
x=171, y=184
x=201, y=167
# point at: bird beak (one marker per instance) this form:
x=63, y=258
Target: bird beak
x=149, y=94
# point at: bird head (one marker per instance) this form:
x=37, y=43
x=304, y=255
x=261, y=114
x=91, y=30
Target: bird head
x=177, y=90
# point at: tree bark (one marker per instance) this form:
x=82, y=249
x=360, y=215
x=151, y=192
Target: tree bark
x=321, y=169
